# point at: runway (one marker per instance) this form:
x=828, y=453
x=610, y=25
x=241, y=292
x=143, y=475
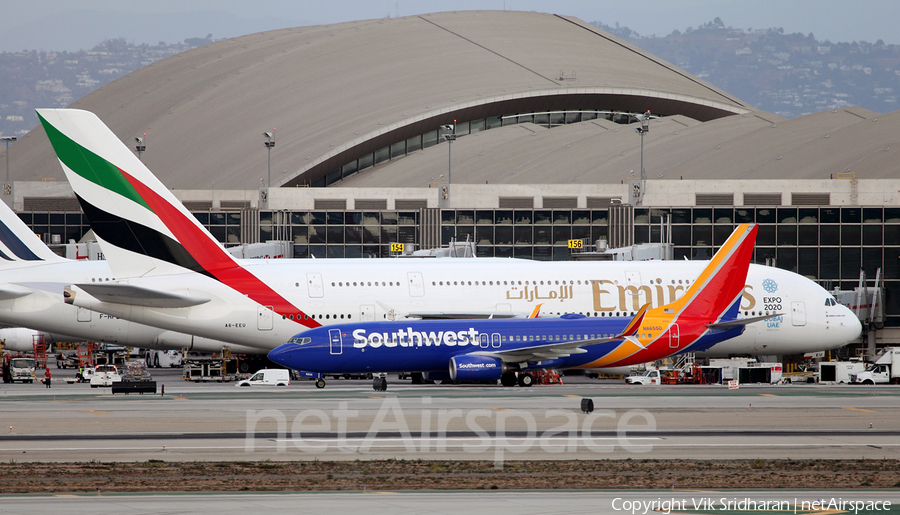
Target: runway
x=349, y=421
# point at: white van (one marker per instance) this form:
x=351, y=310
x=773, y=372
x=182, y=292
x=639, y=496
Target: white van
x=268, y=377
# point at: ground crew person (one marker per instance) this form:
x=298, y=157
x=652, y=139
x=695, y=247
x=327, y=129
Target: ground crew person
x=47, y=377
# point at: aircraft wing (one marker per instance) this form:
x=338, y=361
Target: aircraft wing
x=7, y=294
x=549, y=351
x=741, y=322
x=543, y=352
x=138, y=296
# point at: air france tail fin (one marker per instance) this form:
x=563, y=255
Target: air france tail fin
x=18, y=244
x=143, y=228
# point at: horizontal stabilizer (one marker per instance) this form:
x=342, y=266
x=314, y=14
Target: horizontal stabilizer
x=139, y=296
x=744, y=321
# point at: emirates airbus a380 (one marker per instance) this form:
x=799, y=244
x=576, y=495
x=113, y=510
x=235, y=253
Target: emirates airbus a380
x=169, y=272
x=32, y=280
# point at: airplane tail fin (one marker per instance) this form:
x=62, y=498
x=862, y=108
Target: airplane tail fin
x=716, y=294
x=18, y=244
x=143, y=228
x=681, y=325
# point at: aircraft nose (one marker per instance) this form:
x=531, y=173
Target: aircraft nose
x=282, y=354
x=850, y=327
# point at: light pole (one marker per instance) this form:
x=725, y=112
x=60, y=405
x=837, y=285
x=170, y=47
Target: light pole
x=450, y=136
x=140, y=147
x=270, y=143
x=264, y=189
x=7, y=140
x=642, y=130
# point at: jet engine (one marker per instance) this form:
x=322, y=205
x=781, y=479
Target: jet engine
x=475, y=368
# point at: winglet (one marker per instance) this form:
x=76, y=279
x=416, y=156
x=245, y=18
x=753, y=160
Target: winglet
x=536, y=312
x=632, y=328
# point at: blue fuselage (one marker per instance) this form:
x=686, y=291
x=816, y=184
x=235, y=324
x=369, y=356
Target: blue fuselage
x=424, y=346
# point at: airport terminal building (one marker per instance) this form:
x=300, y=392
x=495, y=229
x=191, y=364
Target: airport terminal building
x=512, y=130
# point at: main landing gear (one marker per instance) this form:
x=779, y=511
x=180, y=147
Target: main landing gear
x=523, y=379
x=379, y=384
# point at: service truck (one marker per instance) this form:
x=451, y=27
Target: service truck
x=885, y=369
x=161, y=358
x=648, y=377
x=22, y=369
x=839, y=372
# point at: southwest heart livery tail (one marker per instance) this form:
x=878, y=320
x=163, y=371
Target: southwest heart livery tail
x=710, y=305
x=143, y=229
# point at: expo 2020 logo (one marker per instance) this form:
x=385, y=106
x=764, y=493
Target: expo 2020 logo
x=770, y=286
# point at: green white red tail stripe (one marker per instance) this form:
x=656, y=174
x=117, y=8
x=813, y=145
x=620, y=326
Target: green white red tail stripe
x=130, y=210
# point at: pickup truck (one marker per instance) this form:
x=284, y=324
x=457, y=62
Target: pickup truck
x=648, y=377
x=105, y=375
x=885, y=369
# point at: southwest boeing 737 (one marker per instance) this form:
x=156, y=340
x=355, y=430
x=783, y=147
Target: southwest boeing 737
x=499, y=349
x=169, y=272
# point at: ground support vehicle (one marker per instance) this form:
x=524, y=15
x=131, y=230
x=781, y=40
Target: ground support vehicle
x=18, y=369
x=647, y=378
x=268, y=377
x=839, y=372
x=885, y=369
x=64, y=360
x=105, y=375
x=208, y=369
x=161, y=358
x=136, y=380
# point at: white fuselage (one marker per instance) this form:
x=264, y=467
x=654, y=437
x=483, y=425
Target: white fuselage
x=44, y=309
x=336, y=290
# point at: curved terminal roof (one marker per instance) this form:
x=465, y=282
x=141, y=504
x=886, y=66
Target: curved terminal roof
x=335, y=93
x=753, y=146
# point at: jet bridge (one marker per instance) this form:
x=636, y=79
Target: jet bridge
x=868, y=304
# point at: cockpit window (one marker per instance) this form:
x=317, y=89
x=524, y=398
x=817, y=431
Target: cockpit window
x=830, y=301
x=300, y=341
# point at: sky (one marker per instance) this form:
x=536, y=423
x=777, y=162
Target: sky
x=71, y=26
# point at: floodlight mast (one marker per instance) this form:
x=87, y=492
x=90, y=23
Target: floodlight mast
x=642, y=130
x=140, y=147
x=264, y=188
x=450, y=136
x=7, y=139
x=270, y=143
